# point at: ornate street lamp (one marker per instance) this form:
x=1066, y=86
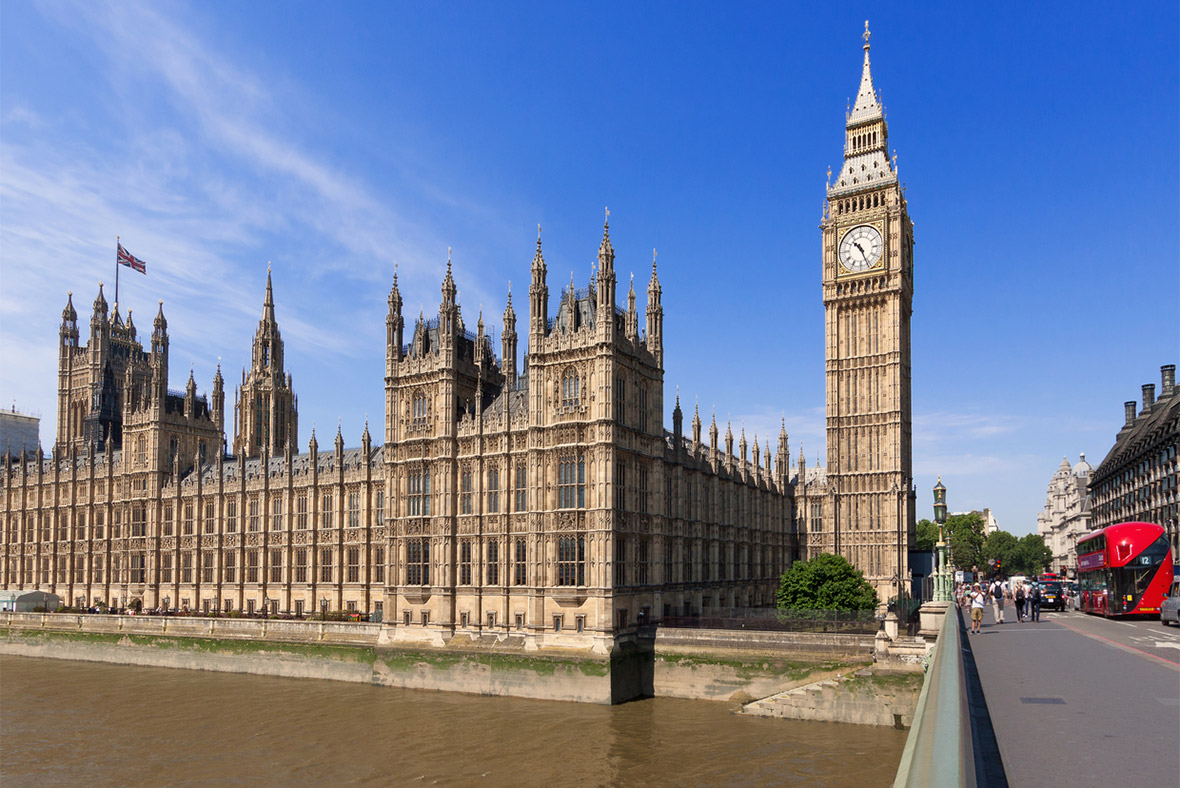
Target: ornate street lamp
x=942, y=574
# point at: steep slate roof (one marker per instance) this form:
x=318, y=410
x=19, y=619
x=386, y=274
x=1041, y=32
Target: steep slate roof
x=1130, y=440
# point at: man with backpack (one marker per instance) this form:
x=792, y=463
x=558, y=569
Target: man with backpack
x=1034, y=603
x=997, y=592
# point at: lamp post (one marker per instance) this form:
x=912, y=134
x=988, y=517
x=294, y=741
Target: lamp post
x=943, y=579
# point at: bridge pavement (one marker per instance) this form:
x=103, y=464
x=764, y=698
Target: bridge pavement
x=1081, y=701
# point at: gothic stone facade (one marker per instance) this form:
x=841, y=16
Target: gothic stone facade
x=868, y=287
x=550, y=506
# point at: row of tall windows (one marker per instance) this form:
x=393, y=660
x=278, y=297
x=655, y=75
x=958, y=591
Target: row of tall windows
x=571, y=483
x=571, y=561
x=571, y=390
x=418, y=493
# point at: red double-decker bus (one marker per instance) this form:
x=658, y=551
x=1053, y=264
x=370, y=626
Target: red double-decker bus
x=1124, y=569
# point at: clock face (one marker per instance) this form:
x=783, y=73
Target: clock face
x=861, y=248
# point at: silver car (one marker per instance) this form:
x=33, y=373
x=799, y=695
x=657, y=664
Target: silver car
x=1170, y=609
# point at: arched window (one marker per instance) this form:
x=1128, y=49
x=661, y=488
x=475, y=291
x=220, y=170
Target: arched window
x=571, y=389
x=419, y=412
x=571, y=561
x=571, y=483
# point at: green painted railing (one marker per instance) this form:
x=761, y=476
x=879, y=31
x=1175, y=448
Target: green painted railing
x=939, y=749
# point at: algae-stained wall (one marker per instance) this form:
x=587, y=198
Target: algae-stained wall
x=518, y=675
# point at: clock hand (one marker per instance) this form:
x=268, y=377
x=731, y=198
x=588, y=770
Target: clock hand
x=860, y=249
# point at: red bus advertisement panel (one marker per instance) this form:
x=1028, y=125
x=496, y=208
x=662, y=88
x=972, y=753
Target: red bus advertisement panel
x=1124, y=569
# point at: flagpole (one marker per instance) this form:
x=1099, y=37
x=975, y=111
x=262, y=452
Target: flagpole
x=116, y=272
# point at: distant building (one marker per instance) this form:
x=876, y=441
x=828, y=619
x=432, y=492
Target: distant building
x=18, y=433
x=1138, y=478
x=1066, y=515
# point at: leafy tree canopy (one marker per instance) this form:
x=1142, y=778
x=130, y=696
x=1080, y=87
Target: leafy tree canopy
x=827, y=582
x=965, y=535
x=1032, y=554
x=927, y=535
x=1027, y=555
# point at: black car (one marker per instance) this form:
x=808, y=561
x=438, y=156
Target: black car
x=1052, y=596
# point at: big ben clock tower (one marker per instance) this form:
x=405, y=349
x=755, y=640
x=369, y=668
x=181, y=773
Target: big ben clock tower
x=868, y=283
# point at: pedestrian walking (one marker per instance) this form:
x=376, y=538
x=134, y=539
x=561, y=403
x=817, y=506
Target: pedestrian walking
x=1020, y=603
x=998, y=601
x=1034, y=605
x=977, y=601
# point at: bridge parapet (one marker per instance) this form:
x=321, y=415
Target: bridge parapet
x=940, y=750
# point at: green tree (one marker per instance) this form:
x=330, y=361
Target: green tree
x=1001, y=546
x=1032, y=555
x=827, y=582
x=966, y=540
x=927, y=536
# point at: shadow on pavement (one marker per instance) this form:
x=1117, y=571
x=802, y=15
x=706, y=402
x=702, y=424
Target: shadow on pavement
x=989, y=766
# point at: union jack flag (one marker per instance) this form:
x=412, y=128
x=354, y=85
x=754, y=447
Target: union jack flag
x=131, y=261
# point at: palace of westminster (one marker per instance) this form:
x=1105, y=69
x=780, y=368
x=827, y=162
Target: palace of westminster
x=542, y=500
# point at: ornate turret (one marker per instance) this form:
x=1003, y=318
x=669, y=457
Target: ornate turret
x=69, y=323
x=696, y=427
x=190, y=396
x=606, y=279
x=677, y=425
x=448, y=310
x=218, y=404
x=655, y=314
x=160, y=338
x=538, y=293
x=783, y=459
x=508, y=343
x=266, y=413
x=100, y=308
x=394, y=327
x=632, y=315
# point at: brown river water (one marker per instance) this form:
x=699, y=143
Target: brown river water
x=65, y=723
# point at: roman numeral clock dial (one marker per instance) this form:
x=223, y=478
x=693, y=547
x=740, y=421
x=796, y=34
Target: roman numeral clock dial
x=860, y=249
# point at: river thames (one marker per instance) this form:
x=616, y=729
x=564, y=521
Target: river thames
x=65, y=723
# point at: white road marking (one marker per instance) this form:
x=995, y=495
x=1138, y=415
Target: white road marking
x=1163, y=644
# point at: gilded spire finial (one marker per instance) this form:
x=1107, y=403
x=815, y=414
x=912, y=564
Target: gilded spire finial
x=866, y=35
x=654, y=253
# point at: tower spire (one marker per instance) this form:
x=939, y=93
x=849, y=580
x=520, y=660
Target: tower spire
x=268, y=304
x=867, y=106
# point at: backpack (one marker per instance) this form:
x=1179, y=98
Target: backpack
x=1036, y=593
x=1020, y=594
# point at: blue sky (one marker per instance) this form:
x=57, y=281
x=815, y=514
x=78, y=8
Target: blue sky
x=1038, y=143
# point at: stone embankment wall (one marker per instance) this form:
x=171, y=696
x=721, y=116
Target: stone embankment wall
x=740, y=665
x=309, y=649
x=863, y=697
x=735, y=666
